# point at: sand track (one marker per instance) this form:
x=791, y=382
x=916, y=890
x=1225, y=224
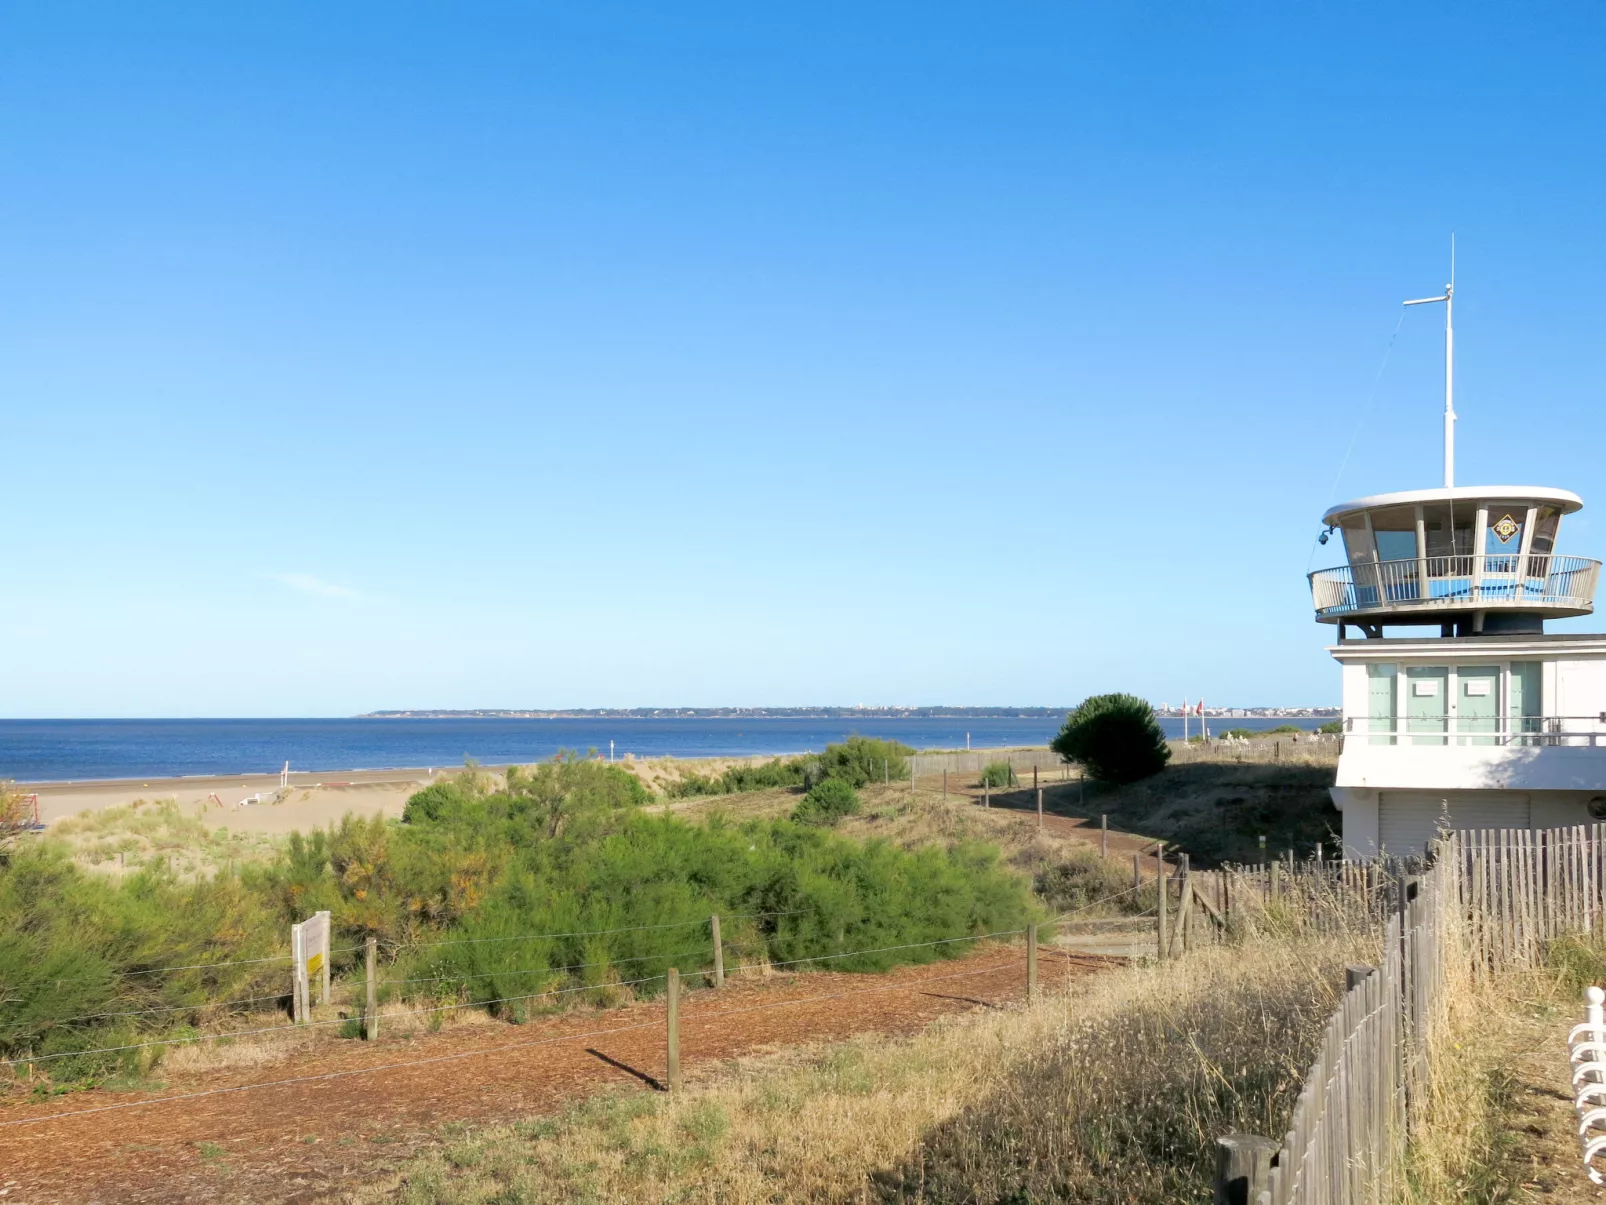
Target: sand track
x=354, y=1108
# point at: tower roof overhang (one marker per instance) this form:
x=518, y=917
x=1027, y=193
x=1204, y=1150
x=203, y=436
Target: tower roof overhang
x=1563, y=500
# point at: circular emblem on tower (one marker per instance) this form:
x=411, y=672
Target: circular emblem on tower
x=1505, y=528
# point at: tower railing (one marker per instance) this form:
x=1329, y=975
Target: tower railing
x=1493, y=580
x=1523, y=731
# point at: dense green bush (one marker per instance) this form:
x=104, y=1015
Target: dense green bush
x=1115, y=738
x=827, y=802
x=860, y=760
x=999, y=774
x=779, y=772
x=1331, y=728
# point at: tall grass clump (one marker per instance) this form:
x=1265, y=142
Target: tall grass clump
x=1124, y=1106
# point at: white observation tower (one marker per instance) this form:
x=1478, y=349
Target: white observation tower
x=1483, y=720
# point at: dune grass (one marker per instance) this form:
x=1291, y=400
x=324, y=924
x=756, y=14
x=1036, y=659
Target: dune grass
x=1112, y=1092
x=145, y=833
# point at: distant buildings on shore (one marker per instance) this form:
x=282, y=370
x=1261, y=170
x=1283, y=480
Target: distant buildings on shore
x=1253, y=713
x=819, y=713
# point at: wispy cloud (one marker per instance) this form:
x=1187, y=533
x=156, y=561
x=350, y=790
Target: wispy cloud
x=306, y=583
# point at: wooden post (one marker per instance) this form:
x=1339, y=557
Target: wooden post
x=1276, y=881
x=371, y=1009
x=298, y=977
x=1159, y=882
x=986, y=791
x=1243, y=1168
x=1039, y=804
x=886, y=774
x=1356, y=975
x=1034, y=774
x=1179, y=939
x=674, y=1030
x=1031, y=961
x=719, y=952
x=1104, y=836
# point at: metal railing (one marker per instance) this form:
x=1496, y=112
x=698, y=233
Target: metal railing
x=1529, y=731
x=1497, y=580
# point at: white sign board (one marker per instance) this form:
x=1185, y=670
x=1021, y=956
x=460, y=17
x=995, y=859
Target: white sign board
x=309, y=959
x=1477, y=688
x=1425, y=688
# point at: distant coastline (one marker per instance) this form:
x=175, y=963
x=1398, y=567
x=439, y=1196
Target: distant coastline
x=814, y=713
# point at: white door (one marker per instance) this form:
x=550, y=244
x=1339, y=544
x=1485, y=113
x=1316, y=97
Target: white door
x=1408, y=820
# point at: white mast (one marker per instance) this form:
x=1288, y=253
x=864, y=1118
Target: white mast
x=1449, y=367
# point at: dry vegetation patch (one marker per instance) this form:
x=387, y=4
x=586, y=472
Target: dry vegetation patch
x=129, y=838
x=1114, y=1091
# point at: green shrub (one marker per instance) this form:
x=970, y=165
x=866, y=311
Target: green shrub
x=999, y=774
x=1115, y=738
x=827, y=802
x=1240, y=734
x=1331, y=728
x=860, y=760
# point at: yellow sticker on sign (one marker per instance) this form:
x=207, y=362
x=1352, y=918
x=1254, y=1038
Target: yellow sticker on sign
x=315, y=964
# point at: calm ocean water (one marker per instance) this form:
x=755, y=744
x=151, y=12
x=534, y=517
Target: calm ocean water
x=56, y=750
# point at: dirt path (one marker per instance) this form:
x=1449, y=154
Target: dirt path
x=297, y=1130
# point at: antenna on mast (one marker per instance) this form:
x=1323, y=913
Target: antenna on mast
x=1449, y=367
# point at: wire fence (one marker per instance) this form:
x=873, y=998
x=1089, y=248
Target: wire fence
x=920, y=984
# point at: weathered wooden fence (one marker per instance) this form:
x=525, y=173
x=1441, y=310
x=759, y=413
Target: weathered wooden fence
x=1487, y=901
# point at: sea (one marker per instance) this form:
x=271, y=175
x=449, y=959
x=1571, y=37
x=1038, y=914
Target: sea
x=83, y=750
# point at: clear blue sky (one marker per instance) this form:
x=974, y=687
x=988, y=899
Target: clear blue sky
x=389, y=355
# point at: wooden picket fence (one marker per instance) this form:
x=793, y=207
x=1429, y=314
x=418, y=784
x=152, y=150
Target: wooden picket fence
x=1489, y=901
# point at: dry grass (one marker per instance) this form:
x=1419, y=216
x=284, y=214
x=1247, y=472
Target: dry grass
x=1500, y=1125
x=1112, y=1092
x=125, y=839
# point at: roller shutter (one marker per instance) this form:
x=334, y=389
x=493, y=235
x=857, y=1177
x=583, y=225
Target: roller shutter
x=1407, y=820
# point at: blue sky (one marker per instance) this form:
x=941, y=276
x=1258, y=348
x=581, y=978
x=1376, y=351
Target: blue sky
x=389, y=355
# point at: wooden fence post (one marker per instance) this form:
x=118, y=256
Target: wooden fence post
x=298, y=977
x=1031, y=961
x=371, y=1006
x=1243, y=1168
x=1039, y=805
x=1160, y=885
x=1104, y=836
x=1034, y=774
x=719, y=952
x=1276, y=881
x=674, y=1030
x=986, y=791
x=1179, y=939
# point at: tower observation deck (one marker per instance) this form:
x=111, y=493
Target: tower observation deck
x=1471, y=560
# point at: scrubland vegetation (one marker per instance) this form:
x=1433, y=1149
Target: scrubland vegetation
x=856, y=761
x=1112, y=1092
x=563, y=848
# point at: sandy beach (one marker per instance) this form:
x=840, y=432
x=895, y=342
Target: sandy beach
x=246, y=803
